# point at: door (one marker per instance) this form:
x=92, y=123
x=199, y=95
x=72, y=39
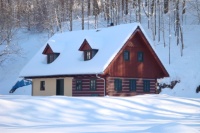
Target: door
x=60, y=87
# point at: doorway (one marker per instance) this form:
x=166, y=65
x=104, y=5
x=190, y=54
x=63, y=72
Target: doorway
x=60, y=87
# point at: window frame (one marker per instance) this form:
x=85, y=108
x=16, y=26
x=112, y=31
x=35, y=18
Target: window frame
x=52, y=57
x=146, y=85
x=132, y=85
x=42, y=85
x=86, y=57
x=78, y=85
x=89, y=54
x=140, y=56
x=93, y=85
x=126, y=55
x=118, y=84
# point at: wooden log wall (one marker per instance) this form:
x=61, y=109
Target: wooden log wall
x=86, y=86
x=125, y=87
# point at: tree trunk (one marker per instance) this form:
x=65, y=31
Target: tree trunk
x=139, y=10
x=82, y=11
x=126, y=10
x=166, y=6
x=177, y=21
x=70, y=13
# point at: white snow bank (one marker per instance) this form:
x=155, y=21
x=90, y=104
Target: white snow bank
x=172, y=128
x=60, y=114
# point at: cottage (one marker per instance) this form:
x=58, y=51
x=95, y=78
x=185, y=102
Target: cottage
x=115, y=61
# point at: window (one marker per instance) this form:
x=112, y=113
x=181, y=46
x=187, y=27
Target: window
x=93, y=84
x=94, y=95
x=42, y=85
x=118, y=84
x=88, y=55
x=132, y=84
x=78, y=85
x=52, y=57
x=140, y=57
x=126, y=55
x=146, y=85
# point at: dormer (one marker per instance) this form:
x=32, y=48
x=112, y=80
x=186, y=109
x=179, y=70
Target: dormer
x=89, y=53
x=51, y=56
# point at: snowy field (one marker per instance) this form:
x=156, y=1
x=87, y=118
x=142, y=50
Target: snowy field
x=146, y=113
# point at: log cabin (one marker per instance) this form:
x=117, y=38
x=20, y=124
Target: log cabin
x=115, y=61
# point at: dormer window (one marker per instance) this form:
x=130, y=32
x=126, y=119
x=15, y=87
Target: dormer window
x=89, y=53
x=51, y=56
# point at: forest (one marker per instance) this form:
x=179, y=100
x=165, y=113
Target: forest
x=164, y=18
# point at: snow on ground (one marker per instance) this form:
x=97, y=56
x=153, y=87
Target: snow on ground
x=145, y=113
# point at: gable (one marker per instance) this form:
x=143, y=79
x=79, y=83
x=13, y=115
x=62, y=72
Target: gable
x=85, y=46
x=47, y=50
x=165, y=73
x=150, y=67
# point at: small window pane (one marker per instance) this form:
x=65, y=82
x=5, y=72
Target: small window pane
x=146, y=85
x=118, y=84
x=88, y=55
x=126, y=55
x=132, y=84
x=42, y=85
x=140, y=56
x=78, y=85
x=93, y=84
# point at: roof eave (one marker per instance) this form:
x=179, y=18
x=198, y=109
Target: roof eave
x=58, y=75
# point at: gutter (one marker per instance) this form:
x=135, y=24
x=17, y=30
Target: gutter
x=104, y=83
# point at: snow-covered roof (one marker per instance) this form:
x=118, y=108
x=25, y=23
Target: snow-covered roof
x=108, y=41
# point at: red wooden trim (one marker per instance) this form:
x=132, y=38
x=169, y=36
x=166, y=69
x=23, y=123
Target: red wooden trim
x=47, y=50
x=85, y=44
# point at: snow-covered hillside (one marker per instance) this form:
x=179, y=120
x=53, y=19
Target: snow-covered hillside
x=28, y=43
x=146, y=113
x=185, y=68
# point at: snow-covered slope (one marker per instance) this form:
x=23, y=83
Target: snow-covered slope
x=29, y=43
x=185, y=68
x=146, y=113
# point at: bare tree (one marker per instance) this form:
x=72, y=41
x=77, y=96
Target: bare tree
x=70, y=13
x=82, y=12
x=166, y=6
